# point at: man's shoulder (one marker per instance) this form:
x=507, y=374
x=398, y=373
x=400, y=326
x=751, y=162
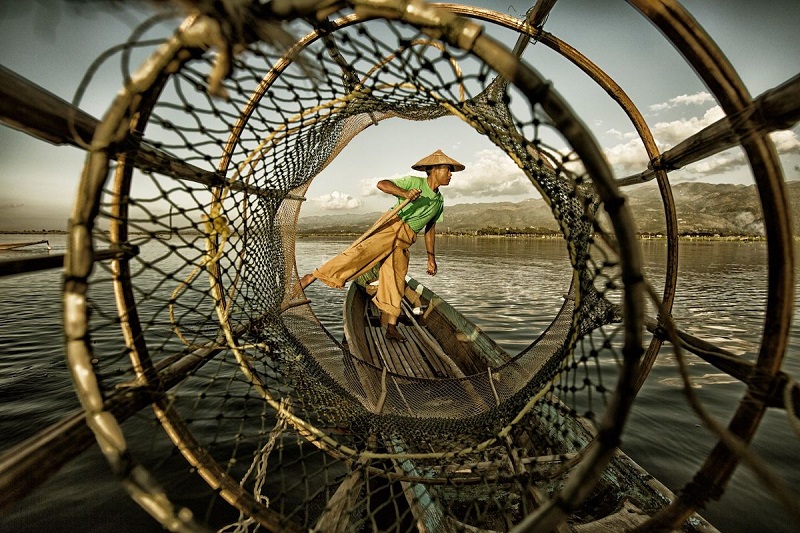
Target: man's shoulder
x=409, y=178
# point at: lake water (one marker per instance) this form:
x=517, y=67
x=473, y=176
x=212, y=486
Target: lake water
x=511, y=288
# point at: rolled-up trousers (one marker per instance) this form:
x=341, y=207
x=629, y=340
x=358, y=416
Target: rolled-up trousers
x=389, y=242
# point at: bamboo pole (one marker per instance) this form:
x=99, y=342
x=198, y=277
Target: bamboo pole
x=734, y=366
x=381, y=221
x=52, y=261
x=535, y=19
x=32, y=462
x=31, y=109
x=775, y=109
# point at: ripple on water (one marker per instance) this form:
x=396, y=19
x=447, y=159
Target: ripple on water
x=513, y=290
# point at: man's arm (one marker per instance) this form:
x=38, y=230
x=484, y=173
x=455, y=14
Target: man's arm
x=389, y=187
x=430, y=246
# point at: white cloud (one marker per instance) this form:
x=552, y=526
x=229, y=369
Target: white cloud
x=369, y=187
x=683, y=100
x=336, y=201
x=628, y=157
x=631, y=157
x=786, y=142
x=492, y=174
x=719, y=163
x=615, y=133
x=671, y=133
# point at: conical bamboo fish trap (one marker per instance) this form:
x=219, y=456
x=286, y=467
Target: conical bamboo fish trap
x=213, y=142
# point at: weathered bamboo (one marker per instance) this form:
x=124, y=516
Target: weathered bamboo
x=775, y=109
x=32, y=462
x=734, y=366
x=535, y=19
x=336, y=518
x=30, y=108
x=699, y=50
x=52, y=261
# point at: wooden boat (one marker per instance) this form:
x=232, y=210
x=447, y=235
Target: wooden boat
x=15, y=245
x=440, y=344
x=123, y=132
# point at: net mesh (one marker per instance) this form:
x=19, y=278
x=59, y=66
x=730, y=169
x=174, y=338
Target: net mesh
x=286, y=426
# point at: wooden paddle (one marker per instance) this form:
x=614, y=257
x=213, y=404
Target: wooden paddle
x=382, y=220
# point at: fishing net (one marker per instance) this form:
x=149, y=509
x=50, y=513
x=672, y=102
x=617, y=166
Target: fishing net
x=188, y=250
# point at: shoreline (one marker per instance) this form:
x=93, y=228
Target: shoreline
x=723, y=238
x=531, y=236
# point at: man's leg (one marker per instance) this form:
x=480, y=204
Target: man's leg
x=391, y=287
x=355, y=260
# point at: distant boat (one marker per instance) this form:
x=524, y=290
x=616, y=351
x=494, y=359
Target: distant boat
x=15, y=245
x=441, y=344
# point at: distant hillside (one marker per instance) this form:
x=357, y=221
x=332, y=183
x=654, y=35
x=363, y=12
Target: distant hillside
x=709, y=208
x=458, y=218
x=701, y=207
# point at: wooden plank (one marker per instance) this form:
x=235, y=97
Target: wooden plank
x=401, y=349
x=375, y=348
x=433, y=364
x=399, y=353
x=372, y=350
x=436, y=358
x=396, y=349
x=415, y=358
x=376, y=395
x=423, y=355
x=388, y=353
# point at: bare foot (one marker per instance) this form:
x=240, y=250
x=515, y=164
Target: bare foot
x=307, y=280
x=301, y=284
x=393, y=334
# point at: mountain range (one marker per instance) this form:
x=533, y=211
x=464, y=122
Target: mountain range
x=702, y=208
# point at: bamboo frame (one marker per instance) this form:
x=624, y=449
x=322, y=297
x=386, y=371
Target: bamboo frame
x=47, y=117
x=775, y=109
x=712, y=67
x=743, y=125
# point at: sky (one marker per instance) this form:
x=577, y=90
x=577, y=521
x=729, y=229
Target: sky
x=53, y=44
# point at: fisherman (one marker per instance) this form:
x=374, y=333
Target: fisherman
x=389, y=239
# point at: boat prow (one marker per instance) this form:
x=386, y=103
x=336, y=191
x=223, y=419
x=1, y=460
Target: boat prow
x=444, y=348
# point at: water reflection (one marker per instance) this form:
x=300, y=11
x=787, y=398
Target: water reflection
x=512, y=289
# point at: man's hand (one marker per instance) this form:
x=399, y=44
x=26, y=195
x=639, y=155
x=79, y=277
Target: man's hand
x=412, y=194
x=432, y=268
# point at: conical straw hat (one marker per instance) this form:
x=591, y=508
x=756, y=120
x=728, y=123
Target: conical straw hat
x=437, y=158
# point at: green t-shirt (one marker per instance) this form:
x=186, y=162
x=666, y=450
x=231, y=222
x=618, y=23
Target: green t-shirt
x=429, y=206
